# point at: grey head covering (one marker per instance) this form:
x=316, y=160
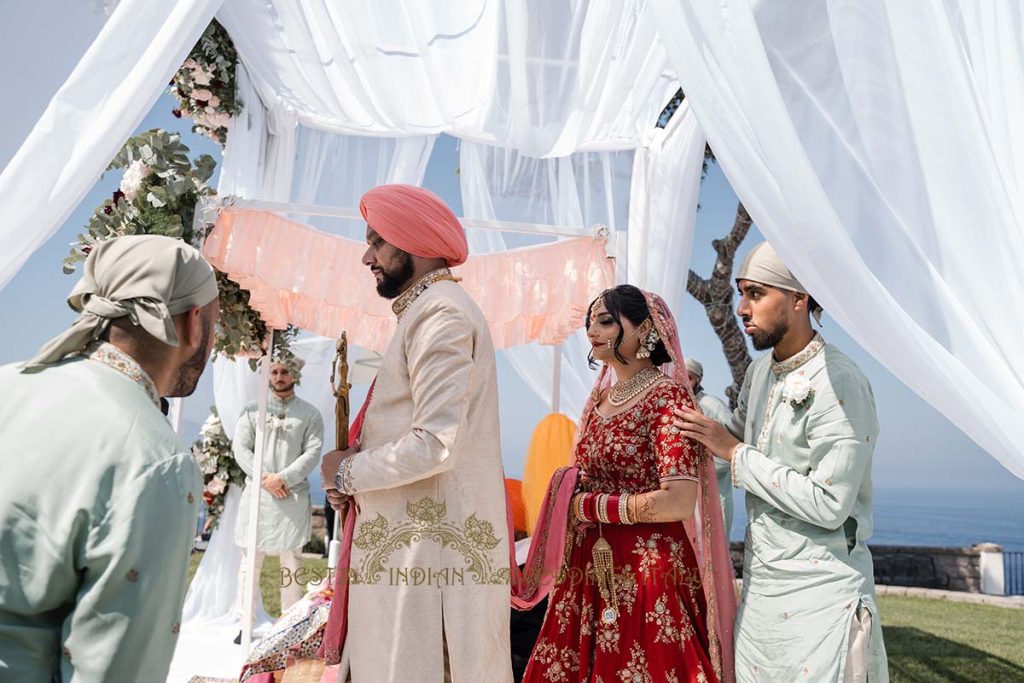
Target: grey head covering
x=695, y=367
x=763, y=265
x=148, y=278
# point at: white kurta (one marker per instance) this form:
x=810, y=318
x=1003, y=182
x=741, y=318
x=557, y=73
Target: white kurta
x=98, y=507
x=295, y=439
x=716, y=409
x=806, y=468
x=431, y=554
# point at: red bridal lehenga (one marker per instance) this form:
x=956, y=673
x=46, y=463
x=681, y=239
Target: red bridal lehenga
x=659, y=632
x=660, y=609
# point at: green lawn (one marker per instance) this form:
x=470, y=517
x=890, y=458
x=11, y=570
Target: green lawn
x=270, y=578
x=927, y=640
x=934, y=640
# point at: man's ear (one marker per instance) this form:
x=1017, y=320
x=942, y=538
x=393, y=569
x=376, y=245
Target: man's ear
x=192, y=327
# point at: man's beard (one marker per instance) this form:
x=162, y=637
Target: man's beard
x=768, y=339
x=192, y=370
x=285, y=390
x=396, y=281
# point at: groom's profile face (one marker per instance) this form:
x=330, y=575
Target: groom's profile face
x=763, y=310
x=392, y=267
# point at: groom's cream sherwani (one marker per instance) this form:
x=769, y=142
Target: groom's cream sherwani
x=430, y=562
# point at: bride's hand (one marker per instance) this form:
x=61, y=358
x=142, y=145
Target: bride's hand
x=673, y=502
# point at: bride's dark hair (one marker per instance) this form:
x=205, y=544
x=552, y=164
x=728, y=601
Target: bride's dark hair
x=627, y=301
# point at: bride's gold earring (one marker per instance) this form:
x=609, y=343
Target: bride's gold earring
x=648, y=344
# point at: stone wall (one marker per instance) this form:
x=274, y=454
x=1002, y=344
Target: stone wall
x=955, y=569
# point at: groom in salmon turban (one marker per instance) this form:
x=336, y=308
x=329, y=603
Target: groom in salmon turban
x=428, y=571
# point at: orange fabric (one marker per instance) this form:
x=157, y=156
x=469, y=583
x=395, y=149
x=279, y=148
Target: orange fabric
x=550, y=448
x=314, y=280
x=514, y=491
x=415, y=220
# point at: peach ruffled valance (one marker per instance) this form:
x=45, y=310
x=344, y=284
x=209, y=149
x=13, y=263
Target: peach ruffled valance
x=316, y=281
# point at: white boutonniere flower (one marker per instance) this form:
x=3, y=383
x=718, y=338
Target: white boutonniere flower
x=797, y=390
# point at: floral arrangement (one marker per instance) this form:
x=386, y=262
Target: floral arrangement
x=217, y=463
x=161, y=186
x=205, y=84
x=157, y=196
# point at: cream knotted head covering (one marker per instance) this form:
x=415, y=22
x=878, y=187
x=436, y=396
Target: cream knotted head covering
x=763, y=265
x=695, y=367
x=148, y=278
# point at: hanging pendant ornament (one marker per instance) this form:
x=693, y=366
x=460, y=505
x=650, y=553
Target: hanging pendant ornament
x=604, y=569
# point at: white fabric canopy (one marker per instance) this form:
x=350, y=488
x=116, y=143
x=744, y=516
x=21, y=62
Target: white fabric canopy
x=582, y=189
x=94, y=112
x=877, y=144
x=663, y=207
x=548, y=78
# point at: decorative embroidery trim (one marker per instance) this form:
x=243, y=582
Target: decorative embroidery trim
x=409, y=296
x=810, y=351
x=343, y=479
x=113, y=357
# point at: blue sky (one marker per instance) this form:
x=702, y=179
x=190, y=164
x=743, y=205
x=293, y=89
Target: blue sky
x=917, y=449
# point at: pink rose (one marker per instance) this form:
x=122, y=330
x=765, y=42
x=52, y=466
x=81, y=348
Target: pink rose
x=216, y=486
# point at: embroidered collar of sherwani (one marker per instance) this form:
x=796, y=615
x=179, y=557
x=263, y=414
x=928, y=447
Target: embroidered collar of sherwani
x=409, y=296
x=813, y=348
x=113, y=357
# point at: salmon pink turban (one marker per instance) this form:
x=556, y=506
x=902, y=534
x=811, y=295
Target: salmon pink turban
x=415, y=220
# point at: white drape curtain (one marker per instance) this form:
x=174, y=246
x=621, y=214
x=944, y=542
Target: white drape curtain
x=548, y=78
x=94, y=112
x=663, y=207
x=578, y=190
x=877, y=144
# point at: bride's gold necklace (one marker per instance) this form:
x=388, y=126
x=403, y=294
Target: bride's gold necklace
x=625, y=391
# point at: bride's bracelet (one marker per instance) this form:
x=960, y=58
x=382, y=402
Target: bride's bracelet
x=604, y=508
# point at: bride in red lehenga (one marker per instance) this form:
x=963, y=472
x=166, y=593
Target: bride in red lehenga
x=645, y=592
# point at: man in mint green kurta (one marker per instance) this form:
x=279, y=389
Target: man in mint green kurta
x=99, y=497
x=295, y=437
x=807, y=418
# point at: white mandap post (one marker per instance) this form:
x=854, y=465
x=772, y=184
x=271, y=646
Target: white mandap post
x=248, y=599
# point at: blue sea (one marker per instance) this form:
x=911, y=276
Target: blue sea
x=938, y=518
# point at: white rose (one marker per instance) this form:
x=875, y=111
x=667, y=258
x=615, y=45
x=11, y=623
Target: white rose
x=134, y=175
x=201, y=76
x=201, y=94
x=209, y=465
x=797, y=389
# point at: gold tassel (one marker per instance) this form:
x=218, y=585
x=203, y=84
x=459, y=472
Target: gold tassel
x=604, y=570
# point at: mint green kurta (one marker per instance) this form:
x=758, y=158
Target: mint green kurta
x=295, y=439
x=714, y=408
x=98, y=506
x=807, y=473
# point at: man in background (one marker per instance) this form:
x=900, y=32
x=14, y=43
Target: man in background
x=295, y=438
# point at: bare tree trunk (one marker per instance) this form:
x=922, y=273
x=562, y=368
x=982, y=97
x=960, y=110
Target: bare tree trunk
x=715, y=295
